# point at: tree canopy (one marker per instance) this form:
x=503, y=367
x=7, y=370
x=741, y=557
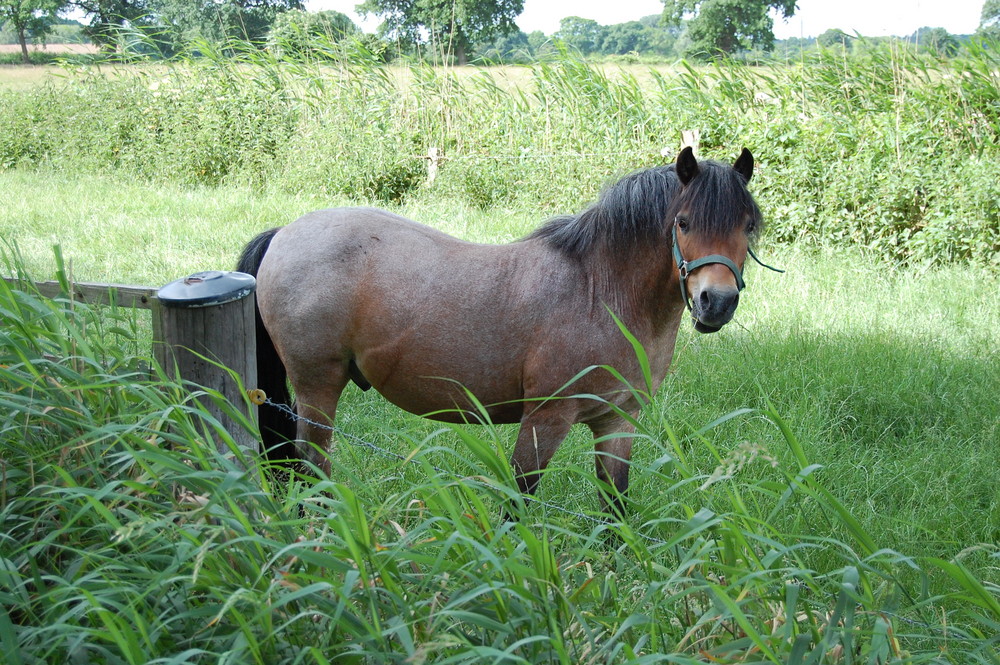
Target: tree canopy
x=835, y=37
x=172, y=24
x=583, y=34
x=938, y=41
x=249, y=20
x=108, y=16
x=451, y=26
x=648, y=35
x=989, y=21
x=298, y=32
x=34, y=17
x=727, y=26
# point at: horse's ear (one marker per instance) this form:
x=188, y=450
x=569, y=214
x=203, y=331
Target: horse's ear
x=687, y=165
x=744, y=164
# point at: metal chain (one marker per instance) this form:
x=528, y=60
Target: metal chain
x=351, y=438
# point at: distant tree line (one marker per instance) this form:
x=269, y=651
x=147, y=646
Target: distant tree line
x=647, y=37
x=935, y=41
x=442, y=30
x=156, y=26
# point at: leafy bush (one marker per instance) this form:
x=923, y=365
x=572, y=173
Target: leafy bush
x=888, y=149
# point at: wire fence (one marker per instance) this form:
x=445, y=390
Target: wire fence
x=360, y=442
x=355, y=440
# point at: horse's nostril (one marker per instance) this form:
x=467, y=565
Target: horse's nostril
x=727, y=301
x=716, y=302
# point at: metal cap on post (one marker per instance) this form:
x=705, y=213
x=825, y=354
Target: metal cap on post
x=205, y=289
x=203, y=324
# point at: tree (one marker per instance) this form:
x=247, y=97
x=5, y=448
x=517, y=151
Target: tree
x=583, y=34
x=647, y=35
x=727, y=26
x=109, y=17
x=173, y=24
x=181, y=22
x=297, y=32
x=515, y=48
x=541, y=45
x=622, y=38
x=834, y=37
x=250, y=19
x=938, y=41
x=659, y=37
x=989, y=22
x=451, y=25
x=29, y=17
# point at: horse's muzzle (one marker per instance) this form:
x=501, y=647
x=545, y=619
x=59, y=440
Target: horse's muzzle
x=713, y=307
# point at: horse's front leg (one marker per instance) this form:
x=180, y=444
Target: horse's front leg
x=613, y=450
x=543, y=428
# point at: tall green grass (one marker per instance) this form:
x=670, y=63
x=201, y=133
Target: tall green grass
x=814, y=484
x=888, y=150
x=893, y=394
x=129, y=539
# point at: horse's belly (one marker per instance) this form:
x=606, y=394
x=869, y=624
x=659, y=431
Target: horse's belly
x=448, y=403
x=443, y=393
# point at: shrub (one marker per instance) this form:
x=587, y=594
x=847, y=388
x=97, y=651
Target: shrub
x=878, y=149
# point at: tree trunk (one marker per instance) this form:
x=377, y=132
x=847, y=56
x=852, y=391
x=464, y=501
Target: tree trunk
x=24, y=46
x=461, y=57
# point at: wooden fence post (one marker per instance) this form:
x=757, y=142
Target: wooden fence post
x=434, y=158
x=691, y=138
x=203, y=324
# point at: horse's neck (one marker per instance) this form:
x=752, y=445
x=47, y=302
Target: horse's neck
x=641, y=287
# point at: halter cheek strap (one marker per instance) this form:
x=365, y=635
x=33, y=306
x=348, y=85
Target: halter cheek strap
x=685, y=268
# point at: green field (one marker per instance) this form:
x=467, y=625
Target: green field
x=817, y=483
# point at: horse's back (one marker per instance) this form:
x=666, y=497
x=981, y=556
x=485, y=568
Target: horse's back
x=329, y=261
x=419, y=312
x=349, y=235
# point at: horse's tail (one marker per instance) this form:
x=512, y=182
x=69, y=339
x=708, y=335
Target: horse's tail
x=277, y=428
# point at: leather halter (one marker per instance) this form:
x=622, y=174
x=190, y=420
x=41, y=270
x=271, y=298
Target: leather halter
x=685, y=268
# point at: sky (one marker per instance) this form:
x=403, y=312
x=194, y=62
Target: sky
x=871, y=18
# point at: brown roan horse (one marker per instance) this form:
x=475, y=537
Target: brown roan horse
x=365, y=295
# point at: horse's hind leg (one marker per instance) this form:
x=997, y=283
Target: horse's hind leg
x=613, y=450
x=317, y=391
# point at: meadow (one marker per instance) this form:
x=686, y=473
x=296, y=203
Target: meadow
x=817, y=483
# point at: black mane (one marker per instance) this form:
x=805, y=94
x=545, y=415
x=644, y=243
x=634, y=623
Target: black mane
x=640, y=207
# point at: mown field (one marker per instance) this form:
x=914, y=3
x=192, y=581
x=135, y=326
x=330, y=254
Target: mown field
x=817, y=483
x=51, y=48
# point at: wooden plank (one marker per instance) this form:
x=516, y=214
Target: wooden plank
x=138, y=297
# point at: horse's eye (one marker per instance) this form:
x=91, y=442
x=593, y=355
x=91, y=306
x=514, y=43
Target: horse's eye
x=682, y=223
x=751, y=227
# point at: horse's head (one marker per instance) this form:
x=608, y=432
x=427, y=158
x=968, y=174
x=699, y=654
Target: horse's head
x=713, y=220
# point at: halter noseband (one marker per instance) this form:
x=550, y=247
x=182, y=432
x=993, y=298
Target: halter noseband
x=685, y=268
